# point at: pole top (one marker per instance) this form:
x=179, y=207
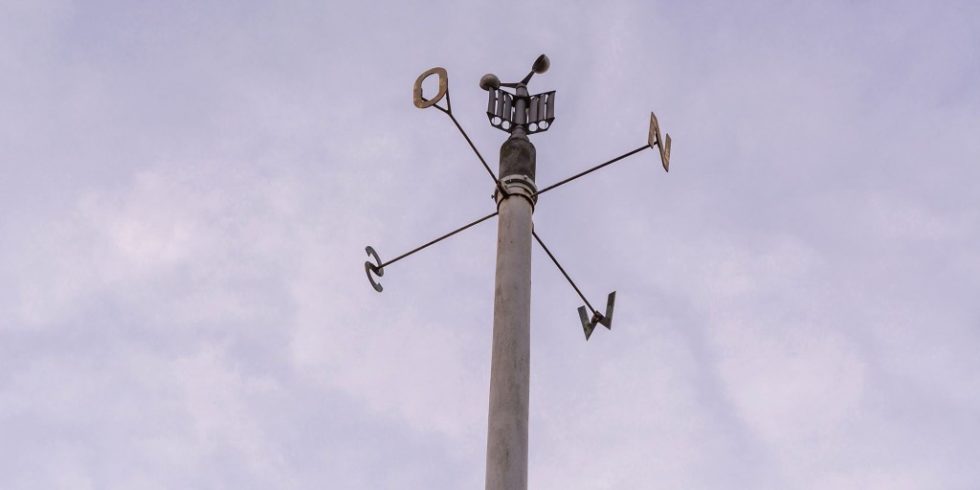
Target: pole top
x=518, y=155
x=508, y=110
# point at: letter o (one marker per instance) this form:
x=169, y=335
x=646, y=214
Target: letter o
x=422, y=102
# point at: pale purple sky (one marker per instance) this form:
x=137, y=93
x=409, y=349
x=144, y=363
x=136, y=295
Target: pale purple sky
x=187, y=187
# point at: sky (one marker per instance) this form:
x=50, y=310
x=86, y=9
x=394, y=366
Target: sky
x=187, y=188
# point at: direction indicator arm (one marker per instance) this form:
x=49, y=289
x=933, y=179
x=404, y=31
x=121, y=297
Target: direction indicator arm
x=423, y=103
x=449, y=112
x=593, y=169
x=379, y=268
x=588, y=325
x=653, y=139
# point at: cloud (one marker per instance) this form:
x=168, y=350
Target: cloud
x=190, y=190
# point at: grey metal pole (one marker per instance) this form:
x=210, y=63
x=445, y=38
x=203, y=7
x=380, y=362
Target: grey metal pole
x=507, y=434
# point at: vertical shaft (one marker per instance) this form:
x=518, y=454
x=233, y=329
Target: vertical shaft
x=507, y=435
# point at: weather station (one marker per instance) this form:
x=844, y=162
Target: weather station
x=512, y=109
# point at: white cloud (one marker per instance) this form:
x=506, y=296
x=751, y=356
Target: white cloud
x=186, y=204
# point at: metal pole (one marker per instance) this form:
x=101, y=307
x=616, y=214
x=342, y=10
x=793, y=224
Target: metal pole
x=507, y=453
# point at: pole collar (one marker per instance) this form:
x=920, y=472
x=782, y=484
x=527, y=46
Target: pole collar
x=517, y=186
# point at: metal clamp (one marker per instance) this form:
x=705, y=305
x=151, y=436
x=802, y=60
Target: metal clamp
x=517, y=185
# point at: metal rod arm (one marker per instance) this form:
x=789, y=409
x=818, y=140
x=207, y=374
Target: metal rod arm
x=593, y=169
x=437, y=240
x=562, y=269
x=493, y=176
